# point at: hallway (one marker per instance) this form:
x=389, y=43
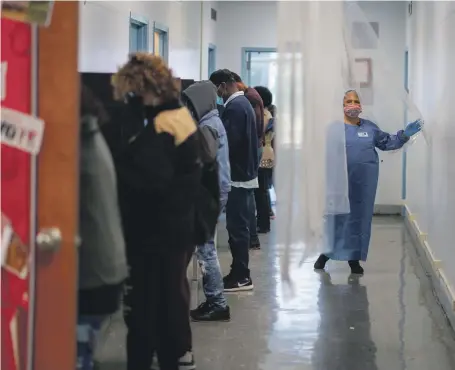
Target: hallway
x=386, y=320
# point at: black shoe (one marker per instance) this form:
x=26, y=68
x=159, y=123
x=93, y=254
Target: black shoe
x=255, y=244
x=210, y=312
x=355, y=267
x=227, y=278
x=238, y=285
x=263, y=231
x=320, y=262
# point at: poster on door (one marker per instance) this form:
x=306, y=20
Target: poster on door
x=36, y=12
x=20, y=138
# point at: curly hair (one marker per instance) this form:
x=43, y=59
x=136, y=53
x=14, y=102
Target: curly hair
x=145, y=73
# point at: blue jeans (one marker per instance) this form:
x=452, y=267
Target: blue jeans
x=212, y=280
x=88, y=328
x=238, y=212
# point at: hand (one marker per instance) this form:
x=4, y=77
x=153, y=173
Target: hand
x=413, y=128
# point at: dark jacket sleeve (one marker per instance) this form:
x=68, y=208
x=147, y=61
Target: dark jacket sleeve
x=235, y=131
x=147, y=165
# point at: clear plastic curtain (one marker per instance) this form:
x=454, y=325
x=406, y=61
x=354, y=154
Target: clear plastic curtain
x=325, y=49
x=440, y=171
x=313, y=71
x=379, y=83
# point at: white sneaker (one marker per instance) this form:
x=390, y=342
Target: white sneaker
x=155, y=365
x=186, y=362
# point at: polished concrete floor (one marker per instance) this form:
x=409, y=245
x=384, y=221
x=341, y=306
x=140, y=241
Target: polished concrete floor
x=386, y=320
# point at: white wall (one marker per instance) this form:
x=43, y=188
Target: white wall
x=387, y=108
x=430, y=165
x=209, y=27
x=104, y=33
x=244, y=24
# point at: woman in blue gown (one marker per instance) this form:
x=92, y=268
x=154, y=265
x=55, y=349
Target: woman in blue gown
x=348, y=235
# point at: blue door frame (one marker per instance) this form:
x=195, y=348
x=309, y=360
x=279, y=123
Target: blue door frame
x=211, y=59
x=164, y=34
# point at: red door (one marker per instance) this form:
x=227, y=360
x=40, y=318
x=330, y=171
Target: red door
x=40, y=78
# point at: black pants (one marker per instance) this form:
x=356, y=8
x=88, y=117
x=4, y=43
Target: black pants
x=156, y=309
x=238, y=212
x=253, y=221
x=263, y=200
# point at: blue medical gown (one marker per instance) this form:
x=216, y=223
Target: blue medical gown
x=348, y=235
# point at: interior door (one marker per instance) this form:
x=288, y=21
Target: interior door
x=39, y=191
x=262, y=69
x=54, y=337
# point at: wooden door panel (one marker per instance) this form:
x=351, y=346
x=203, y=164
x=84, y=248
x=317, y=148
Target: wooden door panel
x=57, y=192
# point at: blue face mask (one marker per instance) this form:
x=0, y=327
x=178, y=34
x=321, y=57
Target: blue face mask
x=219, y=100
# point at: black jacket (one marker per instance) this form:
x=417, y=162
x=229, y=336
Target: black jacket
x=158, y=177
x=240, y=123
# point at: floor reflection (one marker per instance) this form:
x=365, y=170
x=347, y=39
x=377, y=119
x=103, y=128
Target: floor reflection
x=344, y=333
x=386, y=320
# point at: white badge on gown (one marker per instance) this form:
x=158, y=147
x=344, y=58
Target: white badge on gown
x=362, y=134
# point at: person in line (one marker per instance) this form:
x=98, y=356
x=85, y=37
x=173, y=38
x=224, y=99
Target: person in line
x=349, y=234
x=239, y=121
x=266, y=165
x=256, y=102
x=200, y=99
x=102, y=259
x=272, y=110
x=159, y=176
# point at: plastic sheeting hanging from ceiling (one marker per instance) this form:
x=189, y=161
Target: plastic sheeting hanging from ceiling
x=431, y=169
x=325, y=49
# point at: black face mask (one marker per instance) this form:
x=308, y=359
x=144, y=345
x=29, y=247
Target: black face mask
x=136, y=103
x=134, y=100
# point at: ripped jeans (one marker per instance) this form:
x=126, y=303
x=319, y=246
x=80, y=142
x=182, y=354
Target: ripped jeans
x=212, y=280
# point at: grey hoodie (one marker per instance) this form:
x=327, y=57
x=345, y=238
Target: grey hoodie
x=102, y=259
x=202, y=98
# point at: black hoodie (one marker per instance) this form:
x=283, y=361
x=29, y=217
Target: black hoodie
x=158, y=177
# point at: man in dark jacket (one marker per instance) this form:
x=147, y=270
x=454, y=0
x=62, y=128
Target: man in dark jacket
x=159, y=175
x=240, y=124
x=256, y=102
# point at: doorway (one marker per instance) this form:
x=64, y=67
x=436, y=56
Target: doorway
x=211, y=59
x=260, y=67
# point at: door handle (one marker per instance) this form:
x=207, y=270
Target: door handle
x=49, y=239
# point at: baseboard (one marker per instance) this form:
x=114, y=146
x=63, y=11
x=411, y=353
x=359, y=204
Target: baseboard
x=387, y=209
x=434, y=267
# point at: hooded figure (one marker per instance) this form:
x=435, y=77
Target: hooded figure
x=201, y=101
